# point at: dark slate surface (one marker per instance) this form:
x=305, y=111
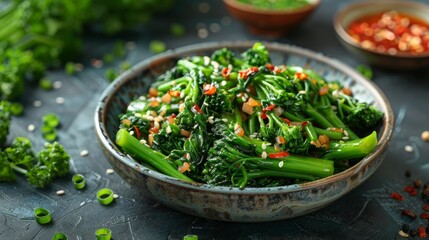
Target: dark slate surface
x=366, y=213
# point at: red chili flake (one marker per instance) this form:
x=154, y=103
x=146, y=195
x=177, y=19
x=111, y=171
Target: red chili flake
x=173, y=115
x=196, y=108
x=245, y=73
x=424, y=215
x=422, y=232
x=425, y=207
x=278, y=154
x=396, y=196
x=409, y=213
x=226, y=72
x=304, y=123
x=269, y=108
x=209, y=89
x=273, y=68
x=263, y=115
x=289, y=122
x=411, y=190
x=137, y=131
x=301, y=75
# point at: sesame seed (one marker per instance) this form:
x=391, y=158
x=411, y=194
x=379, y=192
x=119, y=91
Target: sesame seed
x=139, y=115
x=345, y=138
x=264, y=155
x=132, y=133
x=156, y=124
x=243, y=98
x=206, y=60
x=57, y=84
x=110, y=171
x=346, y=133
x=115, y=196
x=130, y=45
x=409, y=148
x=168, y=129
x=31, y=127
x=60, y=192
x=264, y=146
x=425, y=136
x=203, y=33
x=224, y=120
x=142, y=141
x=188, y=156
x=59, y=100
x=143, y=98
x=205, y=104
x=204, y=7
x=403, y=234
x=281, y=163
x=302, y=92
x=223, y=83
x=84, y=153
x=214, y=27
x=37, y=103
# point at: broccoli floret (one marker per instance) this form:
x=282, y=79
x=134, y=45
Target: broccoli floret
x=168, y=138
x=363, y=117
x=225, y=57
x=257, y=56
x=5, y=118
x=51, y=162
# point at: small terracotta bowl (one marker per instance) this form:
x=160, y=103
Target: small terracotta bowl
x=357, y=10
x=270, y=22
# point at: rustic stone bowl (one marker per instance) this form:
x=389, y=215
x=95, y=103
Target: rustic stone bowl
x=399, y=61
x=227, y=203
x=270, y=22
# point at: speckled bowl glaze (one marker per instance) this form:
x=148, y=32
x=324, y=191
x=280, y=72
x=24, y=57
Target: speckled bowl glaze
x=267, y=21
x=233, y=204
x=399, y=61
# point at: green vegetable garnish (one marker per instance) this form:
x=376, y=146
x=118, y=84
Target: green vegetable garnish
x=70, y=68
x=51, y=162
x=51, y=120
x=111, y=74
x=59, y=236
x=103, y=234
x=5, y=118
x=79, y=181
x=365, y=71
x=42, y=216
x=156, y=46
x=190, y=237
x=45, y=84
x=105, y=196
x=177, y=29
x=240, y=121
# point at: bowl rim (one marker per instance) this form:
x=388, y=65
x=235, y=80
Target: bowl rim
x=254, y=10
x=383, y=141
x=344, y=11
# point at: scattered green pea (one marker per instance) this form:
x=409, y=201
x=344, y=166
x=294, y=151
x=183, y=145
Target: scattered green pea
x=156, y=46
x=70, y=68
x=46, y=84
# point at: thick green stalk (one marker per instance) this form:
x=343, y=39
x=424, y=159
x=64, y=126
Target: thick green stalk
x=144, y=153
x=357, y=148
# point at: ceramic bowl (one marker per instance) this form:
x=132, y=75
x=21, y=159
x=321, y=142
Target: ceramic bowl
x=270, y=22
x=226, y=203
x=354, y=11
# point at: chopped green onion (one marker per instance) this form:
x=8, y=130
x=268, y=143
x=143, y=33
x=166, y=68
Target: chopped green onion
x=59, y=236
x=108, y=58
x=103, y=234
x=50, y=136
x=124, y=66
x=156, y=46
x=46, y=84
x=111, y=74
x=119, y=49
x=177, y=29
x=70, y=68
x=16, y=109
x=105, y=196
x=190, y=237
x=51, y=120
x=79, y=181
x=43, y=216
x=365, y=71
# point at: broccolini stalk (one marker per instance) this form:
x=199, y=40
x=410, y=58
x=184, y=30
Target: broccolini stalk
x=144, y=153
x=353, y=149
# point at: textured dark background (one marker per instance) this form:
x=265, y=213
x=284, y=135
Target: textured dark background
x=366, y=213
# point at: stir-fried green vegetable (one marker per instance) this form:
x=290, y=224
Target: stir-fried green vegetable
x=241, y=121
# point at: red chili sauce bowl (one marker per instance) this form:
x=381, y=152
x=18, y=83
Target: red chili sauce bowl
x=389, y=34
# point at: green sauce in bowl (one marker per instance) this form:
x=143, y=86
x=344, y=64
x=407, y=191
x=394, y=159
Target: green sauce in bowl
x=276, y=4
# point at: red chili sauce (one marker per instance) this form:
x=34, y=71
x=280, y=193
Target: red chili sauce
x=391, y=32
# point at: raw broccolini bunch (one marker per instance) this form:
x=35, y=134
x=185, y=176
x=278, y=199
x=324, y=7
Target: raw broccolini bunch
x=51, y=162
x=239, y=120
